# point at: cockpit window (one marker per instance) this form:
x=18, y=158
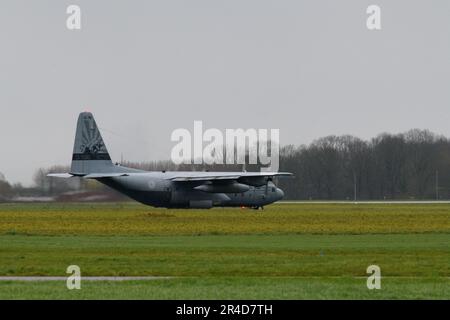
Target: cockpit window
x=273, y=189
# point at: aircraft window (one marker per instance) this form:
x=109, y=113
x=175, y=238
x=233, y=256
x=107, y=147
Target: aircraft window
x=273, y=189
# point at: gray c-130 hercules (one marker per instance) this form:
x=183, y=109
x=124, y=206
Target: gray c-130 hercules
x=170, y=189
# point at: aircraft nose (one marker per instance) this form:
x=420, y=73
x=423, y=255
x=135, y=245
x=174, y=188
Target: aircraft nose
x=280, y=194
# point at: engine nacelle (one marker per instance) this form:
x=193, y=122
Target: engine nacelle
x=223, y=188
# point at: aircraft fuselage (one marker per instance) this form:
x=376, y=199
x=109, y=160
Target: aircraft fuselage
x=153, y=188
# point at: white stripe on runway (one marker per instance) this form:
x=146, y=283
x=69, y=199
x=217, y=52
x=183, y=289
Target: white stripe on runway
x=99, y=278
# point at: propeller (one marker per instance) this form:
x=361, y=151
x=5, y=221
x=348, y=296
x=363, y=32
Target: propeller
x=267, y=185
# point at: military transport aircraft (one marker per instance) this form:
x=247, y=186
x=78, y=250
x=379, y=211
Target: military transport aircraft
x=175, y=189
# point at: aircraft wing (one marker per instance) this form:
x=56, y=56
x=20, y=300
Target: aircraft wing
x=217, y=176
x=60, y=175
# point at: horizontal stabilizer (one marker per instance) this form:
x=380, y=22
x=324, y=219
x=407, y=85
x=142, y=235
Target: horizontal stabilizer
x=60, y=175
x=87, y=176
x=104, y=175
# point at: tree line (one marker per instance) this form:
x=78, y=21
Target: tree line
x=405, y=166
x=411, y=165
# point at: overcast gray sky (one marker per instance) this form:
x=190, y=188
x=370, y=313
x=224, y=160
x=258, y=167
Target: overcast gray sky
x=144, y=68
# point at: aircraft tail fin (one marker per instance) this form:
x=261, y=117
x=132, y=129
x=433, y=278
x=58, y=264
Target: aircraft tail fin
x=89, y=151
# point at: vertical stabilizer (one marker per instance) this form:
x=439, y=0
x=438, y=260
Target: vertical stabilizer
x=89, y=151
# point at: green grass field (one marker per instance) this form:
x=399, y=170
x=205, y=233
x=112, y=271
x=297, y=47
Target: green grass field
x=288, y=251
